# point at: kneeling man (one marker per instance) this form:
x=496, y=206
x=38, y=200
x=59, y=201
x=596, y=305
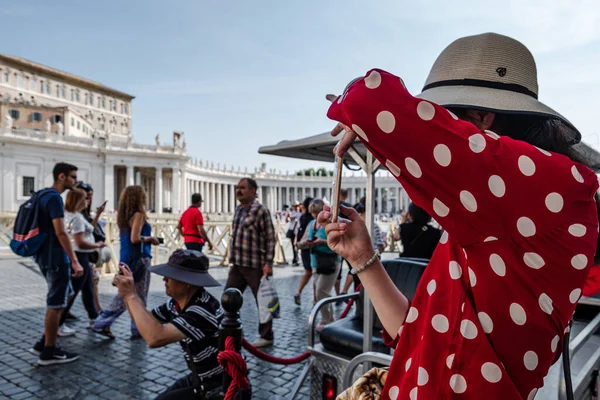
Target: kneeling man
x=191, y=317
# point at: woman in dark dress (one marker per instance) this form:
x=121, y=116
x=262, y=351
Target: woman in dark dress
x=419, y=239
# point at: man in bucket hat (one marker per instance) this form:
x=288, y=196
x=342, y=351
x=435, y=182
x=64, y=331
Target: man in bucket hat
x=191, y=317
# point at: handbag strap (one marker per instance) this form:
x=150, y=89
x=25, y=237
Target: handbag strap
x=424, y=229
x=198, y=386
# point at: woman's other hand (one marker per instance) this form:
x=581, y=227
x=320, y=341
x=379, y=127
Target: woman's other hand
x=349, y=136
x=348, y=238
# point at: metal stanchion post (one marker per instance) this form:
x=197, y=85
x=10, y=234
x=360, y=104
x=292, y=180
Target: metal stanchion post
x=231, y=325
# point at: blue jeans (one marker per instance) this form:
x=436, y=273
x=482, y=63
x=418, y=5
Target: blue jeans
x=141, y=278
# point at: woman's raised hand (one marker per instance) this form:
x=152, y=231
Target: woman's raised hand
x=348, y=238
x=349, y=136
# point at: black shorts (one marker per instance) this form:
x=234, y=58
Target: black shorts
x=194, y=246
x=58, y=278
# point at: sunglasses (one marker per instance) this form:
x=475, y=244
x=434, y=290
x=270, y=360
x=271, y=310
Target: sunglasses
x=84, y=186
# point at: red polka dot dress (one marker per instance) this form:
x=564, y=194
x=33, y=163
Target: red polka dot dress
x=488, y=318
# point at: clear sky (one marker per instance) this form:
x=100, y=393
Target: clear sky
x=236, y=75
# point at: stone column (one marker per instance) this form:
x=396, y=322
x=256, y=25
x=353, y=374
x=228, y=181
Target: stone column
x=138, y=178
x=175, y=191
x=379, y=201
x=211, y=195
x=233, y=198
x=129, y=177
x=226, y=208
x=109, y=186
x=219, y=188
x=158, y=186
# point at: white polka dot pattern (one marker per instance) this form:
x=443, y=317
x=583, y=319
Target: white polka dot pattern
x=455, y=270
x=468, y=201
x=533, y=260
x=412, y=167
x=532, y=394
x=386, y=121
x=468, y=329
x=526, y=166
x=497, y=186
x=577, y=230
x=530, y=359
x=517, y=313
x=477, y=143
x=458, y=383
x=394, y=392
x=472, y=278
x=440, y=208
x=442, y=155
x=373, y=80
x=579, y=261
x=431, y=286
x=545, y=303
x=393, y=168
x=425, y=110
x=491, y=372
x=497, y=264
x=526, y=227
x=360, y=133
x=574, y=295
x=412, y=395
x=449, y=360
x=554, y=343
x=440, y=323
x=492, y=134
x=408, y=363
x=422, y=377
x=486, y=322
x=444, y=237
x=413, y=313
x=576, y=174
x=554, y=202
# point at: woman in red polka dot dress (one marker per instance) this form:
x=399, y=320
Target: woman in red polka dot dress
x=519, y=212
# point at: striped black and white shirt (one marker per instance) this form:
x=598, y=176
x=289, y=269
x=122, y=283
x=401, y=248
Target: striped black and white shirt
x=199, y=322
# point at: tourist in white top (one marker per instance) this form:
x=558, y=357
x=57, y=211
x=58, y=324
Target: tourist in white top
x=82, y=235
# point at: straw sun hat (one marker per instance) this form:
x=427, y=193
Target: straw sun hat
x=488, y=72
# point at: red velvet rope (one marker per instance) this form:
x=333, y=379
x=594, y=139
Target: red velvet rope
x=235, y=366
x=349, y=305
x=269, y=358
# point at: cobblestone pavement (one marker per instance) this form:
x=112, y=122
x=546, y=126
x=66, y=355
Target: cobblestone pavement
x=124, y=369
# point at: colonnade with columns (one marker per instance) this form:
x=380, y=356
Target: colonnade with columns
x=170, y=187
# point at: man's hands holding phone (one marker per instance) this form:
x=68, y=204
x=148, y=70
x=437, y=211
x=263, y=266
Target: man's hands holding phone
x=123, y=280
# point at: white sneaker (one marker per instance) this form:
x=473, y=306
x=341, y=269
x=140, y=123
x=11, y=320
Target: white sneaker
x=91, y=324
x=66, y=330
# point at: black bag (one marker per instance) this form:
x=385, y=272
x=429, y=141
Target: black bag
x=99, y=234
x=94, y=256
x=290, y=234
x=326, y=262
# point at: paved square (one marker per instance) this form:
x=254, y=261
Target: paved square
x=123, y=369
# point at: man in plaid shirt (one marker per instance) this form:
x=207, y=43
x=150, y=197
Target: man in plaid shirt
x=252, y=248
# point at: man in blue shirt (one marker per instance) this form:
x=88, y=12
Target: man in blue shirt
x=57, y=262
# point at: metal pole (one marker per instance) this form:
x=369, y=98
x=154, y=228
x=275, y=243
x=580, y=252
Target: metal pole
x=231, y=325
x=369, y=215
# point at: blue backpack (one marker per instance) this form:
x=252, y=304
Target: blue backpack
x=27, y=238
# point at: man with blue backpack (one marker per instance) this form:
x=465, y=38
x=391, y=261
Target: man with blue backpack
x=40, y=232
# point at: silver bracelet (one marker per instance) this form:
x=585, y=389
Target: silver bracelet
x=366, y=264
